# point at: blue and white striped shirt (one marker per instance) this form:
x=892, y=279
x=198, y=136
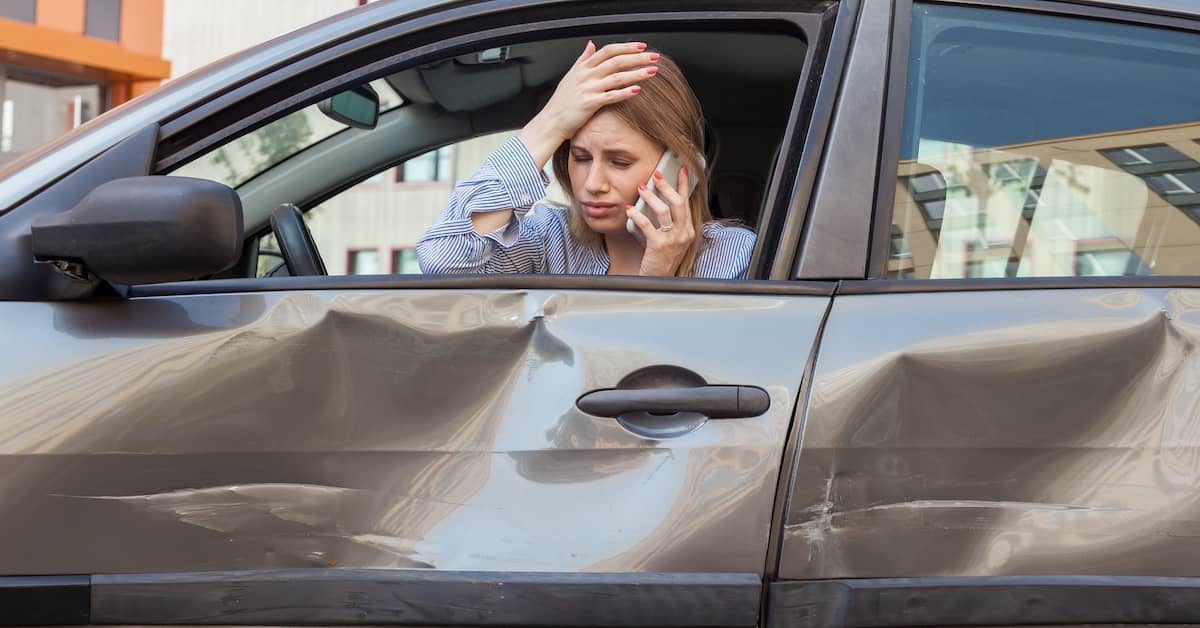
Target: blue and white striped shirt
x=540, y=242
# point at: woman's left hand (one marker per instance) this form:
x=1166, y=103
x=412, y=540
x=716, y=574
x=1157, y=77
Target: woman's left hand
x=667, y=244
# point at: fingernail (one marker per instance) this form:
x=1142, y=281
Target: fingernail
x=641, y=186
x=641, y=46
x=652, y=70
x=654, y=56
x=636, y=88
x=685, y=170
x=657, y=175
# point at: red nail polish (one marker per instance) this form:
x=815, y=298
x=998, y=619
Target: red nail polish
x=641, y=186
x=658, y=175
x=652, y=70
x=685, y=170
x=641, y=46
x=654, y=56
x=636, y=88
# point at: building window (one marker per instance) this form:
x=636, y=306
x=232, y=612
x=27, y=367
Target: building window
x=404, y=262
x=436, y=165
x=22, y=10
x=362, y=262
x=103, y=19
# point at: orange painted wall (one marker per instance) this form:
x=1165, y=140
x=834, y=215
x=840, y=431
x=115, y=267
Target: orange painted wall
x=141, y=26
x=57, y=39
x=63, y=15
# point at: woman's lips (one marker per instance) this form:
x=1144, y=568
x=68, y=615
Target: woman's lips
x=598, y=210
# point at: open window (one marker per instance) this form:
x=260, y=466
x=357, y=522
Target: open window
x=377, y=190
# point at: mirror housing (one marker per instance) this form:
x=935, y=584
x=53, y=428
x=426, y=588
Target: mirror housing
x=141, y=230
x=357, y=107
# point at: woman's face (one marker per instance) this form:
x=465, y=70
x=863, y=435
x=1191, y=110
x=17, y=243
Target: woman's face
x=608, y=160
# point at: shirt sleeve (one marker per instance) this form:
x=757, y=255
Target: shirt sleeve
x=727, y=255
x=508, y=179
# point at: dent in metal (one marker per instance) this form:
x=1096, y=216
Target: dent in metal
x=384, y=429
x=1001, y=433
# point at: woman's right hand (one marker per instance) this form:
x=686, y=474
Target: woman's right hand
x=598, y=78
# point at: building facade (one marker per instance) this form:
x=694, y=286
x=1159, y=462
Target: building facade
x=64, y=62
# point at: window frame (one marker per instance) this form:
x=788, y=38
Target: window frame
x=894, y=106
x=230, y=115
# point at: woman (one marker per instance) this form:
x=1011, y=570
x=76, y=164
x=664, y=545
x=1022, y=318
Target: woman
x=605, y=127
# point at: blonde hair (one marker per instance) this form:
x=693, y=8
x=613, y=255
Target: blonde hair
x=666, y=111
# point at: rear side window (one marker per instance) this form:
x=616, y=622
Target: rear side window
x=1039, y=145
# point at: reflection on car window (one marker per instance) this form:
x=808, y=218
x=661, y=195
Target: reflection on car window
x=244, y=158
x=1038, y=145
x=372, y=228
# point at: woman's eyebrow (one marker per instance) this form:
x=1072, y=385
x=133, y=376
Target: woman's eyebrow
x=618, y=152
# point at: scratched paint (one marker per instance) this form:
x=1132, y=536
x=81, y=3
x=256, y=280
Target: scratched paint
x=1001, y=433
x=433, y=429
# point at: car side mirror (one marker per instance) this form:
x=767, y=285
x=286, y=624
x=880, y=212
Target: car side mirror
x=357, y=107
x=141, y=230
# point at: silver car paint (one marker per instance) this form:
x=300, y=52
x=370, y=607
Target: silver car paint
x=1001, y=433
x=431, y=429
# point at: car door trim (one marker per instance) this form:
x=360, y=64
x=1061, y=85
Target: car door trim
x=893, y=123
x=45, y=600
x=385, y=596
x=910, y=286
x=486, y=282
x=836, y=50
x=984, y=601
x=837, y=232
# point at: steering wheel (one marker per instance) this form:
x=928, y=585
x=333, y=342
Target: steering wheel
x=295, y=242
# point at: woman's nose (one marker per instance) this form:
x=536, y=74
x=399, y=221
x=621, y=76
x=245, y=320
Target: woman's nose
x=596, y=181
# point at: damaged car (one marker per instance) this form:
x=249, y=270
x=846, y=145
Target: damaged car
x=959, y=386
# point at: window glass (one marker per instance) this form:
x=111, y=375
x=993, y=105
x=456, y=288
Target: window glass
x=244, y=158
x=389, y=211
x=1037, y=145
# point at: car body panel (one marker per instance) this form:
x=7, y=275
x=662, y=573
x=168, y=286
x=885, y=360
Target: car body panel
x=426, y=429
x=1001, y=433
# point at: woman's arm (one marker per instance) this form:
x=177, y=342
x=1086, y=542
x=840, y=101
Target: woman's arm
x=506, y=186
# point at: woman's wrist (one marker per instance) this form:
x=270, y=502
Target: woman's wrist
x=541, y=140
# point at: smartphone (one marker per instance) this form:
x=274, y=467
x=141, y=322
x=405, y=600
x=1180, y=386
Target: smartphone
x=669, y=166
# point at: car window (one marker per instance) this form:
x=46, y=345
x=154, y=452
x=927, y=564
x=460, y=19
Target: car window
x=1039, y=145
x=372, y=227
x=248, y=156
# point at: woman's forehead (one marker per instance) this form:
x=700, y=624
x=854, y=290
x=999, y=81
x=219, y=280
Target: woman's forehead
x=608, y=132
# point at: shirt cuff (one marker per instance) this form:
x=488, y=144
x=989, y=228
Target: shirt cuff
x=524, y=182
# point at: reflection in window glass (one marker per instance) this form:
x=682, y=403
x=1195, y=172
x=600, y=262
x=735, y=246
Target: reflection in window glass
x=1097, y=175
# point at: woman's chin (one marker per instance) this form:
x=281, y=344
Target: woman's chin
x=607, y=225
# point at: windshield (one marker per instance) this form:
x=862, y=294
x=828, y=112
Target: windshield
x=248, y=156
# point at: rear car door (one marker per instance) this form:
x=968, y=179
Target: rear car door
x=1001, y=428
x=405, y=449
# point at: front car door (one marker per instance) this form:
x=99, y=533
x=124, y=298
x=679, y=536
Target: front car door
x=402, y=450
x=1001, y=428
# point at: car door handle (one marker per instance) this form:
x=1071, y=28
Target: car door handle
x=712, y=402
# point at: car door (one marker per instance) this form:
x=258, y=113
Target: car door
x=1001, y=425
x=420, y=450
